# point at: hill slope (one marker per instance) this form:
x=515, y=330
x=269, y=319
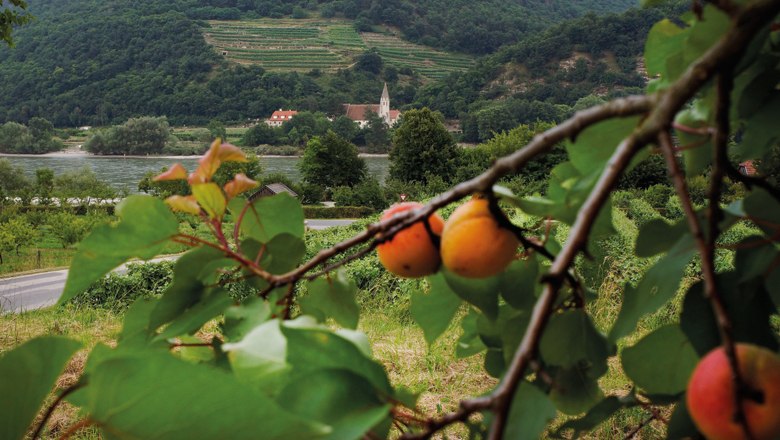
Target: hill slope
x=95, y=62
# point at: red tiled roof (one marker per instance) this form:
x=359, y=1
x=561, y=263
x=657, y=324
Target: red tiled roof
x=283, y=114
x=359, y=112
x=747, y=168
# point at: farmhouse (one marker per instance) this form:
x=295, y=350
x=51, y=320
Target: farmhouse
x=279, y=117
x=359, y=112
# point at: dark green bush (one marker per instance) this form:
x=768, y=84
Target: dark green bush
x=118, y=291
x=337, y=212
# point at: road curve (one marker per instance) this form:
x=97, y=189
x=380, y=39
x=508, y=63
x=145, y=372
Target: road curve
x=35, y=291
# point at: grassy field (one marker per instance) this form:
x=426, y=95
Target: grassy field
x=325, y=44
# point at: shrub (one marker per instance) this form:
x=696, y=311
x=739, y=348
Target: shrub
x=118, y=291
x=641, y=212
x=367, y=193
x=325, y=212
x=657, y=195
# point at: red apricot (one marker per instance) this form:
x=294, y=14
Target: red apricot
x=710, y=395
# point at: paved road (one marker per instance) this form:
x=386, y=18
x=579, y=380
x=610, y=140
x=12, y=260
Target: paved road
x=323, y=224
x=29, y=292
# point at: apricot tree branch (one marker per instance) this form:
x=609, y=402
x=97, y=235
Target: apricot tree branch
x=541, y=143
x=708, y=273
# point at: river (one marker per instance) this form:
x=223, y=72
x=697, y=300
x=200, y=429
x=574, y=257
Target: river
x=125, y=173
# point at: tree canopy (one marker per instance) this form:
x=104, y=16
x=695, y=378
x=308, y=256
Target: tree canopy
x=331, y=161
x=422, y=148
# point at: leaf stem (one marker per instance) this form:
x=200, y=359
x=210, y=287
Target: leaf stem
x=50, y=410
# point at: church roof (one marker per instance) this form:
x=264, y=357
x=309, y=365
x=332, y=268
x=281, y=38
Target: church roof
x=359, y=112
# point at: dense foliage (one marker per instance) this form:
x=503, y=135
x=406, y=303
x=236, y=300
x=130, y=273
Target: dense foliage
x=35, y=138
x=138, y=136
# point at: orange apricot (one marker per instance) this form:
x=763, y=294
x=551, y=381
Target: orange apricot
x=473, y=244
x=411, y=253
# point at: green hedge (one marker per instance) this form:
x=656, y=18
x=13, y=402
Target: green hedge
x=337, y=212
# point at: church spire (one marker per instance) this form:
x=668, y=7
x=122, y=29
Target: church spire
x=384, y=105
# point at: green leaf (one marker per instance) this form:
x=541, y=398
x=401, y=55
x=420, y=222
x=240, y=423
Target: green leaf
x=280, y=255
x=529, y=413
x=259, y=359
x=143, y=231
x=596, y=415
x=469, y=342
x=657, y=236
x=680, y=424
x=433, y=311
x=137, y=330
x=596, y=144
x=657, y=287
x=571, y=338
x=760, y=131
x=661, y=362
x=748, y=305
x=241, y=319
x=191, y=273
x=211, y=198
x=211, y=305
x=764, y=210
x=343, y=400
x=332, y=297
x=705, y=32
x=664, y=38
x=494, y=362
x=29, y=372
x=575, y=390
x=194, y=402
x=754, y=257
x=268, y=217
x=772, y=285
x=482, y=293
x=520, y=283
x=698, y=156
x=309, y=350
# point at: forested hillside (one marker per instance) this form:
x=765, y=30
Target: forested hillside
x=100, y=62
x=546, y=76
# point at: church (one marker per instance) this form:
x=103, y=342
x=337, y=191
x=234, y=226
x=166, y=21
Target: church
x=359, y=112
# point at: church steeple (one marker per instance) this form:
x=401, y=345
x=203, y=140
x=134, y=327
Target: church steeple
x=384, y=105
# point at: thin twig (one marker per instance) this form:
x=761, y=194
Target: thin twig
x=638, y=428
x=81, y=424
x=465, y=410
x=50, y=410
x=708, y=274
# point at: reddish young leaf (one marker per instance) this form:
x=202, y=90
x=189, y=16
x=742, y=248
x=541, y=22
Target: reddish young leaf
x=176, y=172
x=239, y=184
x=186, y=204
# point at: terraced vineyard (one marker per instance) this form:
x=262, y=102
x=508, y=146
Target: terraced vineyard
x=325, y=44
x=428, y=62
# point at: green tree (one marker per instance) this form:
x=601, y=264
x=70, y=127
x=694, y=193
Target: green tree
x=137, y=136
x=260, y=134
x=331, y=161
x=422, y=147
x=20, y=231
x=44, y=184
x=346, y=128
x=68, y=228
x=12, y=179
x=11, y=17
x=82, y=184
x=217, y=129
x=376, y=134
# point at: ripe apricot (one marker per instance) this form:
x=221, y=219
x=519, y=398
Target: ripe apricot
x=411, y=253
x=473, y=244
x=710, y=395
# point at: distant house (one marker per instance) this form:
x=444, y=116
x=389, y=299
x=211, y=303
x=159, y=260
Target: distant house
x=272, y=189
x=359, y=112
x=279, y=117
x=747, y=168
